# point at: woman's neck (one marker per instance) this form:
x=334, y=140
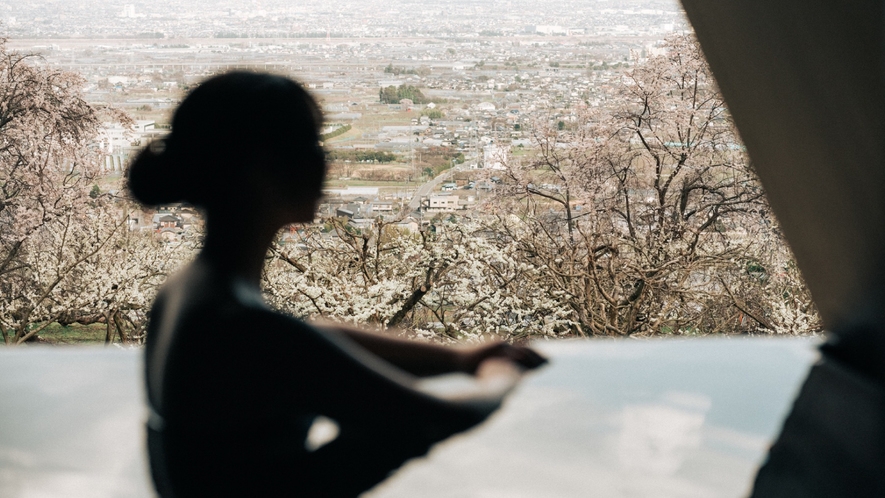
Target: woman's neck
x=236, y=245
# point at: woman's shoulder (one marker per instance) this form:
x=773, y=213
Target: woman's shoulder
x=207, y=304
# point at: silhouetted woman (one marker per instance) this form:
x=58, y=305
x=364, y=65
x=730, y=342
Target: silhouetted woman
x=233, y=385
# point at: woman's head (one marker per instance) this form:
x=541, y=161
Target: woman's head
x=228, y=131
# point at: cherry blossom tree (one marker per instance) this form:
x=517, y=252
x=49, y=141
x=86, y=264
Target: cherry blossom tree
x=455, y=280
x=49, y=225
x=116, y=285
x=647, y=215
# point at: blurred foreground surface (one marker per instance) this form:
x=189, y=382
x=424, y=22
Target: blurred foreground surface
x=659, y=418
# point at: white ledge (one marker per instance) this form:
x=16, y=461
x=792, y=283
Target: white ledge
x=663, y=418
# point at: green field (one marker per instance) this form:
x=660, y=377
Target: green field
x=73, y=334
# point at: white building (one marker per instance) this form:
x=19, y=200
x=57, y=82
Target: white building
x=381, y=206
x=551, y=30
x=439, y=203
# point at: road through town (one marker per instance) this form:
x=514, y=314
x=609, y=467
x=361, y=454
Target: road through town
x=424, y=190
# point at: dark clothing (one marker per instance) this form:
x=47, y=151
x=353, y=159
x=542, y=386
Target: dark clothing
x=228, y=465
x=236, y=387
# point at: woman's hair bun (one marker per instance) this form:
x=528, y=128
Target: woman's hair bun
x=151, y=178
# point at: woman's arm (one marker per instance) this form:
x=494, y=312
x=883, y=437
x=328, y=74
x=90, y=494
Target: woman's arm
x=358, y=388
x=338, y=375
x=423, y=359
x=370, y=453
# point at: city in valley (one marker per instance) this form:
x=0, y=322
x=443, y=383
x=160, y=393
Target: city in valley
x=426, y=103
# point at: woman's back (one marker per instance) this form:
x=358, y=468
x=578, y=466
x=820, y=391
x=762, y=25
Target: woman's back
x=235, y=385
x=204, y=337
x=223, y=387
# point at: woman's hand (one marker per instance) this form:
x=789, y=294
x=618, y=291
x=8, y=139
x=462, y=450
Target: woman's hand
x=493, y=379
x=523, y=357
